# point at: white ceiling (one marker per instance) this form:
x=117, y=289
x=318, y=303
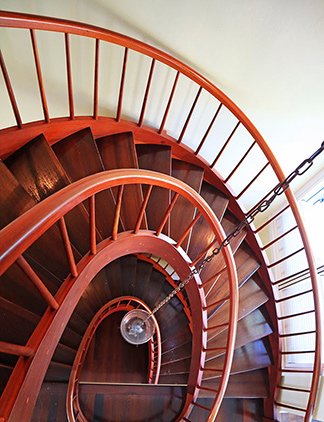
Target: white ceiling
x=266, y=55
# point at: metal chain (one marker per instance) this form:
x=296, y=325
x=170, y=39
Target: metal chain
x=249, y=218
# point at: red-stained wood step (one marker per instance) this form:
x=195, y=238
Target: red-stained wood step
x=117, y=152
x=39, y=172
x=251, y=297
x=51, y=403
x=202, y=235
x=58, y=372
x=246, y=266
x=155, y=158
x=252, y=356
x=132, y=403
x=183, y=212
x=253, y=384
x=79, y=156
x=250, y=328
x=48, y=250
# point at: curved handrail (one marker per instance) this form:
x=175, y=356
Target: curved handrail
x=19, y=20
x=22, y=232
x=122, y=303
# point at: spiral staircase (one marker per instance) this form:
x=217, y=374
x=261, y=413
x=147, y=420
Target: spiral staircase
x=104, y=214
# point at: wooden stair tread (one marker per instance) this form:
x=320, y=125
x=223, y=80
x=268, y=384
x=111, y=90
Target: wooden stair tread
x=202, y=235
x=58, y=372
x=155, y=158
x=252, y=384
x=252, y=356
x=250, y=328
x=251, y=297
x=183, y=212
x=144, y=402
x=246, y=266
x=15, y=201
x=40, y=173
x=79, y=156
x=118, y=152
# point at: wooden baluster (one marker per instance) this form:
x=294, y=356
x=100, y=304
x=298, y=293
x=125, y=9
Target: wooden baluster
x=96, y=81
x=186, y=232
x=69, y=75
x=225, y=145
x=148, y=85
x=142, y=210
x=27, y=269
x=239, y=163
x=271, y=219
x=189, y=115
x=208, y=129
x=15, y=349
x=39, y=76
x=92, y=216
x=278, y=238
x=10, y=91
x=169, y=102
x=251, y=182
x=68, y=247
x=167, y=214
x=121, y=88
x=117, y=212
x=285, y=258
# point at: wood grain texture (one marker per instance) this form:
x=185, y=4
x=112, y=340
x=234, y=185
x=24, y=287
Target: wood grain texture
x=202, y=235
x=40, y=173
x=253, y=384
x=79, y=156
x=250, y=328
x=118, y=151
x=155, y=158
x=183, y=212
x=144, y=403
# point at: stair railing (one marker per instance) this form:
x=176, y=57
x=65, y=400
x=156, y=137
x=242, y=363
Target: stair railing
x=190, y=144
x=120, y=304
x=21, y=391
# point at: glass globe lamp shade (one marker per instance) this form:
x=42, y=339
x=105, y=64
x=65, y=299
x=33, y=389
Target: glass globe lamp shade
x=137, y=326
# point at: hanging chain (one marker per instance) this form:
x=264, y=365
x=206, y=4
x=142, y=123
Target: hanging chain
x=249, y=218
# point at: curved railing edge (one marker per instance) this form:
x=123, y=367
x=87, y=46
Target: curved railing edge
x=21, y=20
x=85, y=344
x=21, y=233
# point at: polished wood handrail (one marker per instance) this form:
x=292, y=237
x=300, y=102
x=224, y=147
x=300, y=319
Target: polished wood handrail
x=119, y=304
x=27, y=228
x=32, y=23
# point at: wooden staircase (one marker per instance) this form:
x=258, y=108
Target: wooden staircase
x=35, y=172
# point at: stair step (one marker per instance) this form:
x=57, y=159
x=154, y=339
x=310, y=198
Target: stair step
x=79, y=156
x=252, y=356
x=246, y=266
x=231, y=409
x=16, y=323
x=16, y=287
x=5, y=372
x=183, y=212
x=142, y=281
x=252, y=384
x=250, y=328
x=118, y=152
x=40, y=173
x=201, y=234
x=155, y=158
x=64, y=354
x=144, y=402
x=182, y=352
x=51, y=403
x=251, y=297
x=15, y=201
x=58, y=372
